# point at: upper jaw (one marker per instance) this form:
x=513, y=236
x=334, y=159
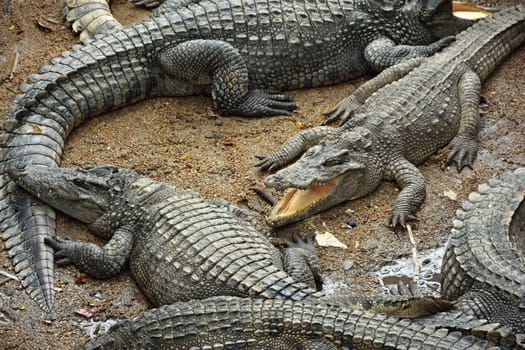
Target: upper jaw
x=297, y=204
x=281, y=183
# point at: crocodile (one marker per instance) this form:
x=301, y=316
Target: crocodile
x=178, y=245
x=237, y=50
x=484, y=265
x=240, y=323
x=482, y=272
x=182, y=247
x=393, y=123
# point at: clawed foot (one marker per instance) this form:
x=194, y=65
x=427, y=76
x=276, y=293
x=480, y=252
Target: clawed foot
x=262, y=103
x=441, y=44
x=269, y=163
x=400, y=218
x=343, y=111
x=463, y=152
x=63, y=248
x=299, y=242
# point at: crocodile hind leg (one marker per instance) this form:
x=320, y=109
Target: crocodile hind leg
x=346, y=108
x=464, y=147
x=202, y=62
x=89, y=18
x=301, y=261
x=101, y=263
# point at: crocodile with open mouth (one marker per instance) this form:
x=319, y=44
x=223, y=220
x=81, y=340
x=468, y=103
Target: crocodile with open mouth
x=392, y=123
x=240, y=50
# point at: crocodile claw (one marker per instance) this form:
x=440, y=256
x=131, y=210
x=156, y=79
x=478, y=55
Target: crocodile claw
x=463, y=152
x=62, y=247
x=400, y=218
x=263, y=103
x=299, y=242
x=268, y=163
x=441, y=44
x=343, y=111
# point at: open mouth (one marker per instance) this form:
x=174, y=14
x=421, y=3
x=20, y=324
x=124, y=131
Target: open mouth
x=468, y=10
x=297, y=200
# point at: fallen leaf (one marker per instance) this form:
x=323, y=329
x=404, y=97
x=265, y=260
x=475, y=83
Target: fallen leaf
x=84, y=312
x=327, y=239
x=184, y=157
x=43, y=26
x=80, y=278
x=89, y=310
x=451, y=195
x=298, y=124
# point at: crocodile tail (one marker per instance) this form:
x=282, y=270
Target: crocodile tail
x=491, y=40
x=110, y=72
x=277, y=284
x=485, y=245
x=230, y=322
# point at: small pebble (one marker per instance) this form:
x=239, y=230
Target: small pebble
x=451, y=195
x=348, y=264
x=351, y=224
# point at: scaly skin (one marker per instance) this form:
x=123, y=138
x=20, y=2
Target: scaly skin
x=181, y=247
x=89, y=18
x=483, y=266
x=392, y=123
x=325, y=43
x=178, y=245
x=235, y=323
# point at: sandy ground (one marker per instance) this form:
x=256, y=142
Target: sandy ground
x=175, y=140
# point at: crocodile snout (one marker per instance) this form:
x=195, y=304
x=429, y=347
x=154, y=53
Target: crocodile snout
x=281, y=182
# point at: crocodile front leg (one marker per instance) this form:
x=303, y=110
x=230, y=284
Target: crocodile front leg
x=101, y=263
x=383, y=52
x=413, y=191
x=293, y=148
x=465, y=145
x=203, y=61
x=346, y=108
x=301, y=261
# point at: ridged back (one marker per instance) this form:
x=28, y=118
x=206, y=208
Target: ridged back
x=277, y=324
x=205, y=249
x=481, y=249
x=484, y=45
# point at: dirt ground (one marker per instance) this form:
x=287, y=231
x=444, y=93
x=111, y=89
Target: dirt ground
x=176, y=141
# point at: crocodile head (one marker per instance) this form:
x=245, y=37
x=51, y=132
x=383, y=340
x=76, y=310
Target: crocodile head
x=327, y=174
x=418, y=22
x=84, y=194
x=438, y=17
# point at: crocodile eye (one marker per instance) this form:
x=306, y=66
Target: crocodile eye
x=81, y=183
x=337, y=160
x=333, y=161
